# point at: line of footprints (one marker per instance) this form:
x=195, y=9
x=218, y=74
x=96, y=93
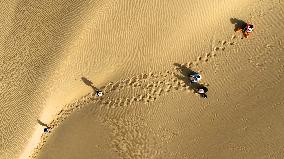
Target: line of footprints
x=146, y=87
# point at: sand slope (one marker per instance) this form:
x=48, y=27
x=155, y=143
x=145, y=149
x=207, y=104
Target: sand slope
x=131, y=50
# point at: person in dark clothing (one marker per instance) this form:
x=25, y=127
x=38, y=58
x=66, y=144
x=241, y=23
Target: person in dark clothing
x=46, y=130
x=202, y=91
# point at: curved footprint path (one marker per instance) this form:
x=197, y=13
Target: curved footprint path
x=145, y=87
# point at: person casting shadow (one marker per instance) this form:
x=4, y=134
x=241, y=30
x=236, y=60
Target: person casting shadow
x=240, y=26
x=46, y=129
x=201, y=90
x=90, y=83
x=186, y=75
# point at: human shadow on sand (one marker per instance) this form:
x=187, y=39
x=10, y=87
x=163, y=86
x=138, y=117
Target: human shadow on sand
x=238, y=23
x=42, y=124
x=185, y=73
x=89, y=83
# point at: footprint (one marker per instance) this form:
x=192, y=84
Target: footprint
x=153, y=91
x=151, y=74
x=136, y=84
x=140, y=97
x=150, y=85
x=113, y=106
x=189, y=64
x=160, y=82
x=233, y=37
x=208, y=54
x=216, y=48
x=196, y=63
x=199, y=58
x=159, y=92
x=152, y=98
x=168, y=88
x=224, y=42
x=131, y=81
x=175, y=87
x=127, y=101
x=132, y=99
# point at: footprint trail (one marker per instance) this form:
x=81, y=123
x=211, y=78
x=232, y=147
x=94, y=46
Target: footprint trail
x=145, y=88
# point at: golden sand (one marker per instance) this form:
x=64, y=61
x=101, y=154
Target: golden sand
x=133, y=52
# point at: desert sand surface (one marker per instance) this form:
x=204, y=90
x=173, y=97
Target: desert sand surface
x=53, y=54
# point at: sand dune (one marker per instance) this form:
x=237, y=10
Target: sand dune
x=138, y=54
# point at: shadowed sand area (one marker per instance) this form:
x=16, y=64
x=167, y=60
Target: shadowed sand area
x=54, y=55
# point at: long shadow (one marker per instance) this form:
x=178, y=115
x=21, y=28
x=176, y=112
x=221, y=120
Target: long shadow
x=89, y=83
x=185, y=73
x=239, y=24
x=42, y=124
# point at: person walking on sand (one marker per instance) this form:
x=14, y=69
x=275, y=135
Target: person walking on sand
x=46, y=130
x=99, y=93
x=246, y=30
x=194, y=78
x=202, y=91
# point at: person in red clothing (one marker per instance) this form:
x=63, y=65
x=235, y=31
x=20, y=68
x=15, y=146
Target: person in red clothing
x=194, y=78
x=246, y=30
